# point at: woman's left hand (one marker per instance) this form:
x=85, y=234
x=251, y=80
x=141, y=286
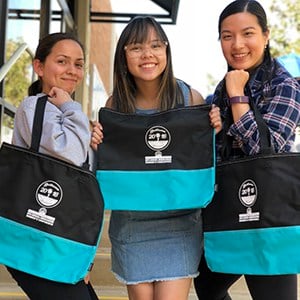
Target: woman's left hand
x=97, y=134
x=215, y=118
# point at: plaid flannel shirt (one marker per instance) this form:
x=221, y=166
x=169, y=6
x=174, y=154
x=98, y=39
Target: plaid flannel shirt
x=278, y=100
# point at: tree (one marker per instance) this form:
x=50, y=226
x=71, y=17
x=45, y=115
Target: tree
x=285, y=27
x=211, y=83
x=17, y=80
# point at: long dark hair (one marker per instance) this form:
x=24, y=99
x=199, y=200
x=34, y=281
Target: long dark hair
x=124, y=87
x=43, y=49
x=252, y=7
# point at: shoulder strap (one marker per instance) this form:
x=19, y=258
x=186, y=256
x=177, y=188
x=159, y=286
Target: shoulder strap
x=37, y=127
x=38, y=122
x=264, y=133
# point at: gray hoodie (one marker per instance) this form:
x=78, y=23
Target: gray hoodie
x=66, y=134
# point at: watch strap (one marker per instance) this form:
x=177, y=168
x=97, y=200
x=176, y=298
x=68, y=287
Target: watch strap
x=239, y=99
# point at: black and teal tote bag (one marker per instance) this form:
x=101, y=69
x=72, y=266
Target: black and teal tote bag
x=51, y=213
x=252, y=225
x=162, y=161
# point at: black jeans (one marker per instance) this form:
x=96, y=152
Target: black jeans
x=37, y=288
x=214, y=286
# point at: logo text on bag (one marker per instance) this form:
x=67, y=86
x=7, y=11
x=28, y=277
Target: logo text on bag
x=158, y=138
x=48, y=195
x=248, y=195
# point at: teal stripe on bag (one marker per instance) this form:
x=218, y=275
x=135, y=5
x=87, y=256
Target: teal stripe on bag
x=38, y=253
x=156, y=190
x=266, y=251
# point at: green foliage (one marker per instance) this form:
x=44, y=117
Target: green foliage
x=285, y=27
x=211, y=83
x=18, y=78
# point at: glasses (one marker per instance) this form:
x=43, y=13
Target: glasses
x=157, y=48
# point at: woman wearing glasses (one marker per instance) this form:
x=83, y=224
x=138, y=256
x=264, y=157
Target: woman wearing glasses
x=155, y=254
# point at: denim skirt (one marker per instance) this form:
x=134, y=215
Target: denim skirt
x=155, y=246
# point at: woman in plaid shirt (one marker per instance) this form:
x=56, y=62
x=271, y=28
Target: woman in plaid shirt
x=253, y=75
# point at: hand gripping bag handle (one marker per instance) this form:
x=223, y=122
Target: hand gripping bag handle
x=264, y=133
x=37, y=127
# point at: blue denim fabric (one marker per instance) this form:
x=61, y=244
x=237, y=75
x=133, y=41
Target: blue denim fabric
x=151, y=246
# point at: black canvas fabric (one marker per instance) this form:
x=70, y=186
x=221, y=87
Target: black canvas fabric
x=80, y=212
x=127, y=152
x=276, y=187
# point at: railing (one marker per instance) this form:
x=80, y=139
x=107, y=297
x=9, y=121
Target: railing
x=5, y=107
x=13, y=59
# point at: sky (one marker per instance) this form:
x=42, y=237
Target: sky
x=196, y=51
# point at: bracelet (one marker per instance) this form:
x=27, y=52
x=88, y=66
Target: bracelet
x=239, y=99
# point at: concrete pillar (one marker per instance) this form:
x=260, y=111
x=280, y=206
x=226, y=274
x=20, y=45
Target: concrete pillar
x=82, y=19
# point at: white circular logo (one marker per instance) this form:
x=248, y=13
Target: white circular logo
x=49, y=194
x=248, y=193
x=158, y=138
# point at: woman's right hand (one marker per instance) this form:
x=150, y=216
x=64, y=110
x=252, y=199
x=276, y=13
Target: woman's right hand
x=215, y=118
x=236, y=81
x=58, y=96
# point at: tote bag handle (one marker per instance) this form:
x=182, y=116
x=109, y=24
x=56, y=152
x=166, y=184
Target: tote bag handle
x=38, y=127
x=38, y=123
x=264, y=133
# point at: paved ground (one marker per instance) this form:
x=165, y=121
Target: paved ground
x=12, y=292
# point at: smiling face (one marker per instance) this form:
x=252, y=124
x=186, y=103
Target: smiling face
x=243, y=41
x=63, y=67
x=150, y=64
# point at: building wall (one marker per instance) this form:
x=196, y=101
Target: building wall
x=102, y=44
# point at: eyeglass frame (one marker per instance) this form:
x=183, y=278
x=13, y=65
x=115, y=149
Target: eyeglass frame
x=138, y=53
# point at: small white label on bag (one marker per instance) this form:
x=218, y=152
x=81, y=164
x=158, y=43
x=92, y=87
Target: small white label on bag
x=40, y=216
x=158, y=159
x=249, y=216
